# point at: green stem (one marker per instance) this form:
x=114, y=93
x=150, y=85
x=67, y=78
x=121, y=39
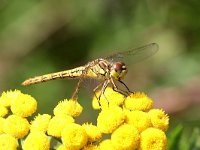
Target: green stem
x=20, y=144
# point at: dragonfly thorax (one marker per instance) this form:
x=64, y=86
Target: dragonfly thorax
x=118, y=70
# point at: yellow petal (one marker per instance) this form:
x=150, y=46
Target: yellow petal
x=159, y=119
x=23, y=105
x=71, y=108
x=139, y=119
x=36, y=140
x=57, y=124
x=126, y=137
x=16, y=126
x=138, y=101
x=40, y=123
x=109, y=119
x=74, y=136
x=8, y=142
x=93, y=132
x=153, y=139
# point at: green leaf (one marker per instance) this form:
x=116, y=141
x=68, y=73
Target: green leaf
x=174, y=138
x=194, y=142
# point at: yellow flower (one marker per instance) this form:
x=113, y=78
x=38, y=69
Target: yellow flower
x=139, y=119
x=153, y=139
x=159, y=119
x=16, y=126
x=74, y=136
x=57, y=123
x=40, y=123
x=109, y=98
x=126, y=137
x=109, y=119
x=93, y=132
x=23, y=105
x=87, y=147
x=106, y=144
x=62, y=147
x=91, y=147
x=71, y=107
x=138, y=101
x=8, y=96
x=2, y=121
x=8, y=142
x=3, y=111
x=37, y=140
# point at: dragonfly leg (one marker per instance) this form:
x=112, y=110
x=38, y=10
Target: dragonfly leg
x=95, y=89
x=74, y=95
x=115, y=88
x=105, y=84
x=125, y=86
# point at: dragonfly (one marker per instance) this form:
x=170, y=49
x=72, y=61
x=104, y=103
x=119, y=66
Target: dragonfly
x=108, y=70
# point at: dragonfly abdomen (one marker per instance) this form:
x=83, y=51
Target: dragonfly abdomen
x=72, y=73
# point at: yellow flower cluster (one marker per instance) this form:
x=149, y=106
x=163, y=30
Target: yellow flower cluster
x=15, y=107
x=131, y=123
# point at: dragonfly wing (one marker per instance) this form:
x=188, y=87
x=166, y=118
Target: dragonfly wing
x=136, y=54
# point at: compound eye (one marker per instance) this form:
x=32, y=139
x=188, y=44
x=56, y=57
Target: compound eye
x=119, y=66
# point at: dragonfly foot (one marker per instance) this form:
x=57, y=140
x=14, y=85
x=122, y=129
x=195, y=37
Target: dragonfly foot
x=99, y=103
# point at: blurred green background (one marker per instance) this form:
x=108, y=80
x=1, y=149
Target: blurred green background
x=40, y=36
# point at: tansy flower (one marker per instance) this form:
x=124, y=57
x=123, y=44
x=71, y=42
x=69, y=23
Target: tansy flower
x=109, y=98
x=138, y=101
x=139, y=119
x=62, y=147
x=93, y=132
x=8, y=142
x=126, y=137
x=71, y=107
x=88, y=147
x=16, y=126
x=109, y=119
x=40, y=123
x=159, y=119
x=153, y=139
x=57, y=123
x=3, y=111
x=36, y=140
x=2, y=120
x=91, y=147
x=74, y=136
x=8, y=96
x=23, y=105
x=106, y=144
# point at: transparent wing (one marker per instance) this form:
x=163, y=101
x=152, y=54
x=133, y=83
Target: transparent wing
x=136, y=54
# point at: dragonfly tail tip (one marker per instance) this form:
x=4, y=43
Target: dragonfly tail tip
x=25, y=83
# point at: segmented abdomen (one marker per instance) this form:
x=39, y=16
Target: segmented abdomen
x=72, y=73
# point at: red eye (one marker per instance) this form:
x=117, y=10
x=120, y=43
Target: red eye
x=119, y=66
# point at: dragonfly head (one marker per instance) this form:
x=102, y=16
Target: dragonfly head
x=118, y=70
